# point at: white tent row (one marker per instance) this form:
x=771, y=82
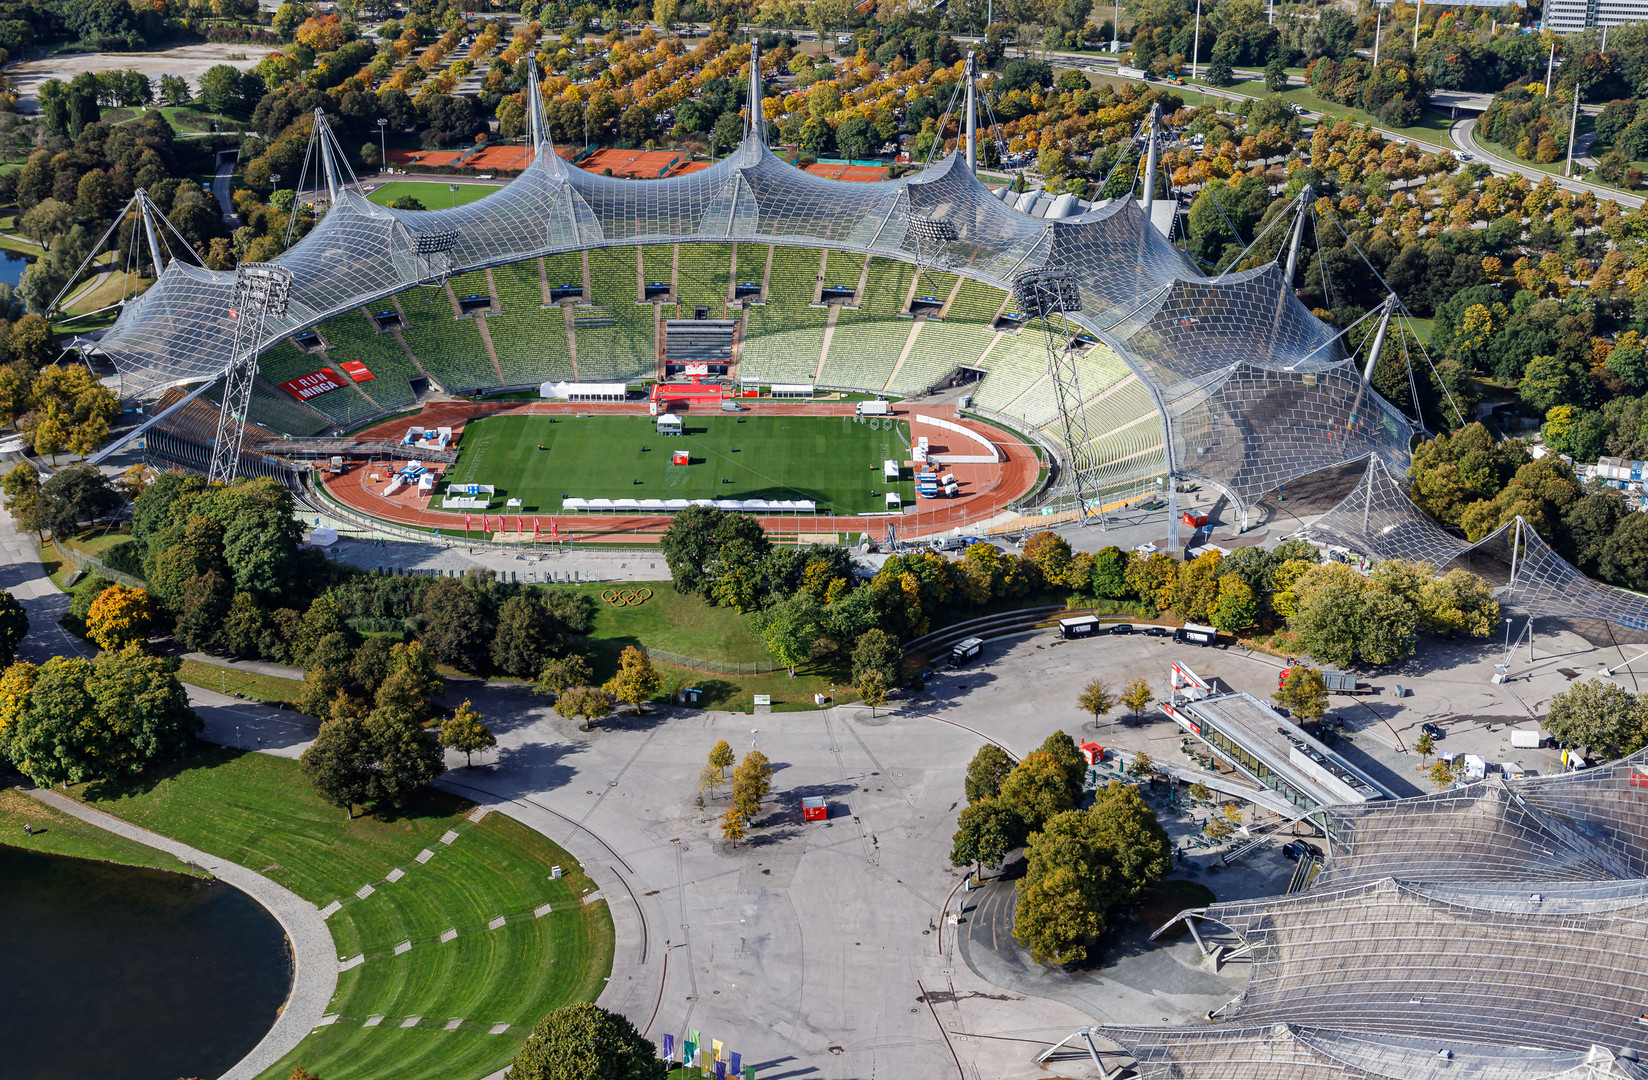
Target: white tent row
x=763, y=506
x=572, y=391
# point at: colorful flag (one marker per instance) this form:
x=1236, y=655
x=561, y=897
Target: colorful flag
x=554, y=529
x=669, y=1047
x=749, y=1072
x=735, y=1068
x=468, y=524
x=484, y=527
x=715, y=1044
x=697, y=1038
x=689, y=1054
x=518, y=525
x=720, y=1070
x=535, y=526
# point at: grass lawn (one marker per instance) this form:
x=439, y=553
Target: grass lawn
x=258, y=810
x=832, y=460
x=1432, y=127
x=433, y=196
x=60, y=570
x=253, y=685
x=56, y=833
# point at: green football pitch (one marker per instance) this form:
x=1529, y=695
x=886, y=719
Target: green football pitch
x=835, y=461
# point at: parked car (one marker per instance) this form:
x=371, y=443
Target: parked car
x=1122, y=628
x=1299, y=849
x=1158, y=631
x=1433, y=730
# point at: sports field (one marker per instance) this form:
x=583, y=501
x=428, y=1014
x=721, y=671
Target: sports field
x=833, y=460
x=433, y=196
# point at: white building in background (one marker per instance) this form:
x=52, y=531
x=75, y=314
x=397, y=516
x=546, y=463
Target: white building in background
x=1572, y=16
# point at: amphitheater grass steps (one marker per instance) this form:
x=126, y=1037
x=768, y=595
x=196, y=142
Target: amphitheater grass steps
x=257, y=810
x=448, y=348
x=530, y=339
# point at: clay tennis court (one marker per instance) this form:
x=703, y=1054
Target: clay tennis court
x=984, y=489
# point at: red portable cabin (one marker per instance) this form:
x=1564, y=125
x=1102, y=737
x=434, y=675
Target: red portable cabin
x=1195, y=520
x=813, y=808
x=680, y=457
x=1092, y=751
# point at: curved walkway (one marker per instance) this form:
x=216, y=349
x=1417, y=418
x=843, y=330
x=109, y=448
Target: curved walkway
x=314, y=956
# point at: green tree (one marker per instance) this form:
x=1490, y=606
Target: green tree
x=202, y=622
x=79, y=493
x=692, y=545
x=877, y=650
x=586, y=704
x=1138, y=696
x=581, y=1041
x=143, y=712
x=21, y=488
x=1096, y=698
x=985, y=773
x=1109, y=574
x=1598, y=715
x=14, y=624
x=1304, y=693
x=790, y=629
x=1237, y=607
x=1037, y=788
x=52, y=740
x=636, y=681
x=985, y=832
x=1199, y=792
x=119, y=617
x=1424, y=746
x=1550, y=381
x=751, y=781
x=458, y=624
x=407, y=758
x=1276, y=78
x=464, y=732
x=560, y=675
x=1063, y=749
x=527, y=637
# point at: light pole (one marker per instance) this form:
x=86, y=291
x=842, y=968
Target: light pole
x=1378, y=21
x=383, y=145
x=1507, y=635
x=753, y=733
x=1418, y=10
x=1550, y=66
x=1116, y=31
x=453, y=188
x=1196, y=42
x=1573, y=130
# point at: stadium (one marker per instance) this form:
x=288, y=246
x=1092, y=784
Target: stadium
x=752, y=273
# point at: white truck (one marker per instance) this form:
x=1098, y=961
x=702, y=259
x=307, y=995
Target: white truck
x=1526, y=740
x=873, y=408
x=1131, y=72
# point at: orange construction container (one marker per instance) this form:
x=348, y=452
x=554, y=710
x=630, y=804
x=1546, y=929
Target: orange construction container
x=813, y=808
x=1195, y=520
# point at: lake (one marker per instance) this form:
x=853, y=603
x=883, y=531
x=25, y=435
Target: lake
x=12, y=266
x=118, y=973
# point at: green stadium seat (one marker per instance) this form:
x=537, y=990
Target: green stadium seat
x=448, y=348
x=530, y=339
x=351, y=336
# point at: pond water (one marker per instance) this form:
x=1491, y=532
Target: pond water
x=118, y=973
x=12, y=266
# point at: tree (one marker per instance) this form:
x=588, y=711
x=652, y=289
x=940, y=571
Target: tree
x=872, y=690
x=1143, y=765
x=585, y=704
x=1199, y=792
x=985, y=773
x=220, y=89
x=1444, y=773
x=50, y=739
x=1304, y=693
x=174, y=89
x=119, y=617
x=721, y=757
x=583, y=1040
x=527, y=637
x=636, y=681
x=877, y=650
x=1599, y=715
x=79, y=493
x=407, y=758
x=1096, y=699
x=142, y=709
x=734, y=824
x=1219, y=72
x=560, y=675
x=463, y=731
x=1037, y=788
x=693, y=542
x=1424, y=746
x=1276, y=77
x=1063, y=750
x=1138, y=696
x=790, y=629
x=14, y=624
x=1237, y=608
x=21, y=488
x=751, y=781
x=201, y=623
x=458, y=624
x=985, y=832
x=339, y=763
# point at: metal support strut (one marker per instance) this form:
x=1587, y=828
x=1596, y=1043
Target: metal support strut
x=972, y=114
x=756, y=126
x=1150, y=159
x=261, y=292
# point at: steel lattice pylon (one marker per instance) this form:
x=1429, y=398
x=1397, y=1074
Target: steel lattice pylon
x=261, y=291
x=1047, y=295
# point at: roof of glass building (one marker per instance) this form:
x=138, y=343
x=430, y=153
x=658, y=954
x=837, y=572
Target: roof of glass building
x=1498, y=930
x=1251, y=388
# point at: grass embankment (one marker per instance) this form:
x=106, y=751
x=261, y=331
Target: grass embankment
x=251, y=685
x=258, y=811
x=1432, y=127
x=831, y=460
x=56, y=833
x=434, y=196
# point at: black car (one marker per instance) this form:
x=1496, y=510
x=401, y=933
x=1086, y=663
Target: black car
x=1122, y=628
x=1158, y=631
x=1433, y=730
x=1299, y=849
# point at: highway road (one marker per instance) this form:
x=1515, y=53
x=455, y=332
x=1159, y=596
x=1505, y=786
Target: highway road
x=1460, y=134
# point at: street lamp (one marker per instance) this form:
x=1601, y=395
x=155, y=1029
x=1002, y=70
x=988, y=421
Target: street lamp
x=1507, y=635
x=383, y=146
x=453, y=188
x=753, y=733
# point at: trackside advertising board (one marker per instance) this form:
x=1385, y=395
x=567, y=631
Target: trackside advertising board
x=314, y=384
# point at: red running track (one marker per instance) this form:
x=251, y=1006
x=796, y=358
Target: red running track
x=986, y=489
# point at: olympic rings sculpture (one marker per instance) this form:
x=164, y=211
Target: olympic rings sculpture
x=626, y=597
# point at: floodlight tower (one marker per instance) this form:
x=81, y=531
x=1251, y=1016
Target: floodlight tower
x=1049, y=294
x=262, y=291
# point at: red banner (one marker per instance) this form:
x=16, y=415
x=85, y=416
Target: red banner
x=357, y=371
x=314, y=384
